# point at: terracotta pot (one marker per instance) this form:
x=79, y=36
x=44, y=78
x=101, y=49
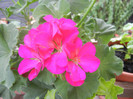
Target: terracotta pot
x=125, y=76
x=124, y=98
x=102, y=97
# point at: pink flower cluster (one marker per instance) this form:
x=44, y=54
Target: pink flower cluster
x=55, y=45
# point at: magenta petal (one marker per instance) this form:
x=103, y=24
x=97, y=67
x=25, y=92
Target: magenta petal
x=26, y=65
x=76, y=73
x=72, y=48
x=87, y=49
x=89, y=63
x=44, y=52
x=71, y=82
x=48, y=18
x=33, y=32
x=44, y=40
x=67, y=24
x=52, y=66
x=27, y=40
x=61, y=59
x=45, y=27
x=25, y=52
x=33, y=74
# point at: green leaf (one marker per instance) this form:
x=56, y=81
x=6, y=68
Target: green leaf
x=57, y=8
x=109, y=89
x=103, y=31
x=9, y=78
x=22, y=34
x=125, y=38
x=128, y=26
x=18, y=6
x=117, y=46
x=46, y=77
x=94, y=28
x=109, y=63
x=4, y=92
x=50, y=94
x=8, y=40
x=78, y=6
x=127, y=56
x=34, y=89
x=19, y=82
x=86, y=32
x=66, y=91
x=94, y=95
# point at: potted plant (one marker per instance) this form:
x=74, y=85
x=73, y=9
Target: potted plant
x=57, y=54
x=124, y=50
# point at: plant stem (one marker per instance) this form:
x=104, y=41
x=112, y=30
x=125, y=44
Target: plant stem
x=86, y=13
x=13, y=1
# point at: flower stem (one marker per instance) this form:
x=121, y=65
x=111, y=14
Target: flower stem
x=13, y=1
x=86, y=13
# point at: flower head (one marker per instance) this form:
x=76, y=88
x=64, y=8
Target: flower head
x=82, y=59
x=54, y=45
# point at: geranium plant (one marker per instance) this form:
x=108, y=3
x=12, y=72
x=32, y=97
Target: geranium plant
x=57, y=59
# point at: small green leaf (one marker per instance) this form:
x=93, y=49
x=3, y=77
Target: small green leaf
x=46, y=77
x=109, y=89
x=50, y=94
x=125, y=38
x=127, y=56
x=109, y=63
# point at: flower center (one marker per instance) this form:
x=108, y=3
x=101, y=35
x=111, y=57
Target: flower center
x=76, y=60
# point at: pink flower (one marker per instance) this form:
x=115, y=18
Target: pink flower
x=54, y=34
x=82, y=59
x=33, y=55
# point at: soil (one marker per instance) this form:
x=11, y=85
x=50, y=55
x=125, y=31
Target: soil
x=128, y=64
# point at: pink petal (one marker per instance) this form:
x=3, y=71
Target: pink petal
x=44, y=40
x=44, y=52
x=33, y=32
x=67, y=24
x=89, y=63
x=72, y=48
x=58, y=40
x=55, y=28
x=26, y=65
x=61, y=59
x=71, y=82
x=45, y=27
x=76, y=73
x=25, y=52
x=87, y=49
x=69, y=35
x=52, y=66
x=27, y=40
x=48, y=18
x=34, y=72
